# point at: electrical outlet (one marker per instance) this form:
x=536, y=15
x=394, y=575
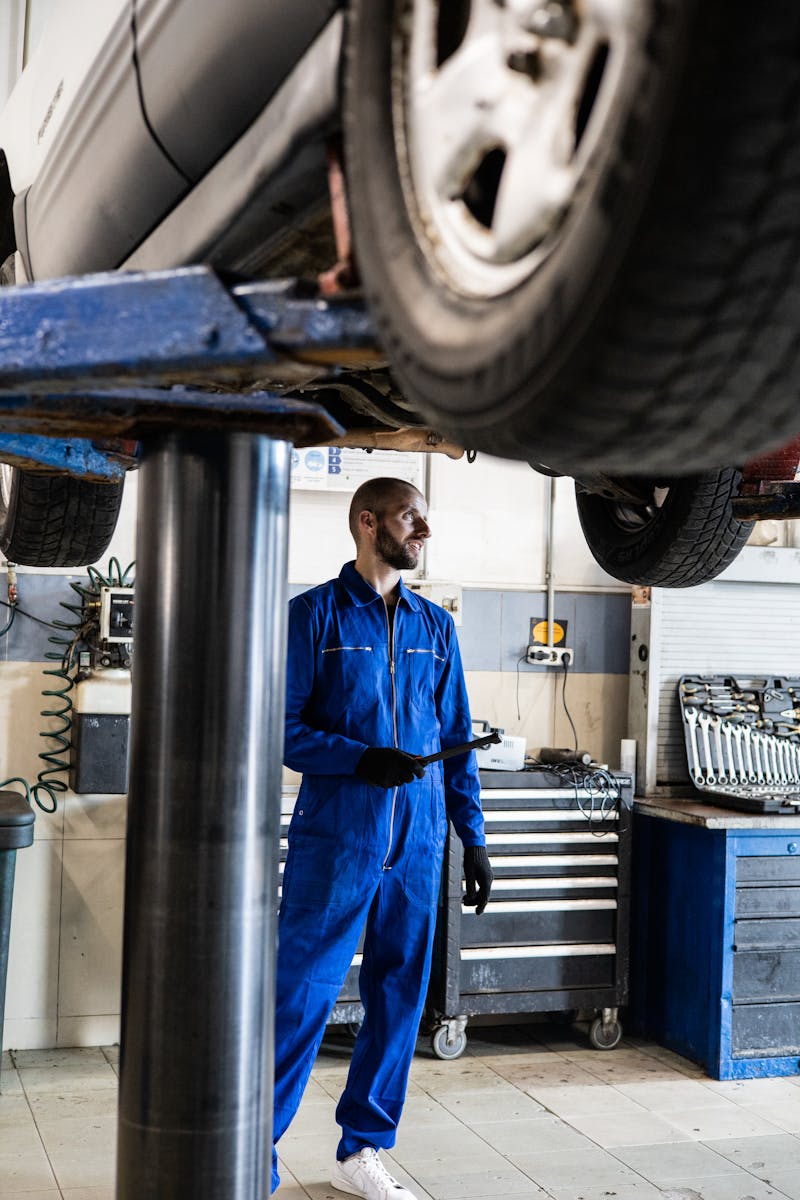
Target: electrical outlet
x=546, y=656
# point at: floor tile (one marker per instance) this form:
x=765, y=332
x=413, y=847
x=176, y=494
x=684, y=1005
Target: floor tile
x=89, y=1193
x=628, y=1129
x=713, y=1122
x=472, y=1107
x=677, y=1160
x=668, y=1095
x=24, y=1169
x=539, y=1134
x=68, y=1071
x=577, y=1100
x=786, y=1182
x=741, y=1186
x=784, y=1115
x=636, y=1191
x=50, y=1194
x=564, y=1174
x=752, y=1093
x=762, y=1156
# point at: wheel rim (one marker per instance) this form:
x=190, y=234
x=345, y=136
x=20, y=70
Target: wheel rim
x=6, y=483
x=635, y=519
x=502, y=110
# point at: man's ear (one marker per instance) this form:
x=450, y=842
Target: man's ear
x=366, y=520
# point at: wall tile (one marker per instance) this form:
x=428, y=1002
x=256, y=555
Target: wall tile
x=479, y=635
x=31, y=992
x=598, y=705
x=94, y=816
x=91, y=940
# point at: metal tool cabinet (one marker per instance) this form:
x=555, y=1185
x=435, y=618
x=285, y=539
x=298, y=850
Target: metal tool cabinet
x=716, y=944
x=555, y=934
x=347, y=1010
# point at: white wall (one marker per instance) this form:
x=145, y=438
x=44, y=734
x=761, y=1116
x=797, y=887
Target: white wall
x=489, y=529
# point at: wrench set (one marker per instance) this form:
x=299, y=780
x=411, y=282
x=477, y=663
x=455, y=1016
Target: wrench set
x=743, y=740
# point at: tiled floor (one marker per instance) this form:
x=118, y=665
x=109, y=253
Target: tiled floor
x=529, y=1112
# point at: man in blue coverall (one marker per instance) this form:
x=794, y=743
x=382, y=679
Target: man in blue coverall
x=374, y=680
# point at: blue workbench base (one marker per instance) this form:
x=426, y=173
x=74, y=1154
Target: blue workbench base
x=715, y=955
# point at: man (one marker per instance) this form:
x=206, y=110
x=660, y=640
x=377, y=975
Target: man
x=374, y=681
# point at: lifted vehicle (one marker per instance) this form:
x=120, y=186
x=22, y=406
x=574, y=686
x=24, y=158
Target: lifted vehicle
x=574, y=225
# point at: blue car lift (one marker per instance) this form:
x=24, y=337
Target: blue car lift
x=176, y=362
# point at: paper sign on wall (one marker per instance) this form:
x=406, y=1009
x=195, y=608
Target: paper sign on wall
x=336, y=469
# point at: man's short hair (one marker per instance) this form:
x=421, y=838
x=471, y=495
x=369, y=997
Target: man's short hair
x=374, y=495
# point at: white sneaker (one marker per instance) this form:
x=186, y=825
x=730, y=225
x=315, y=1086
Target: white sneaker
x=364, y=1174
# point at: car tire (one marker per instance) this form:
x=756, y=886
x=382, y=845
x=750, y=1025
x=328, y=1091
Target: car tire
x=654, y=322
x=54, y=520
x=685, y=536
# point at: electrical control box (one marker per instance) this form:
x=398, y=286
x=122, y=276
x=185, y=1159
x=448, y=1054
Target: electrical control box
x=116, y=614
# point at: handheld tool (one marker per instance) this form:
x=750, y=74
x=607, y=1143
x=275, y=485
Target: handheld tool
x=488, y=739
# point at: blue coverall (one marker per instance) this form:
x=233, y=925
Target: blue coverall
x=365, y=857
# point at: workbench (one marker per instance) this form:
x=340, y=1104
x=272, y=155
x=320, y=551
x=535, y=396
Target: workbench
x=715, y=955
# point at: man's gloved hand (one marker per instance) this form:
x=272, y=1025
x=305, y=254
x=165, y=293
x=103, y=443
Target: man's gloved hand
x=385, y=767
x=478, y=876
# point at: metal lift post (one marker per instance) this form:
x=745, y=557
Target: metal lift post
x=97, y=359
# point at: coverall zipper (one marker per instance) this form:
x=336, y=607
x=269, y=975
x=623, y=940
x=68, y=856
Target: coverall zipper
x=390, y=636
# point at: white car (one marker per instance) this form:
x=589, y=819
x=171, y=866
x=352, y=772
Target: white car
x=575, y=225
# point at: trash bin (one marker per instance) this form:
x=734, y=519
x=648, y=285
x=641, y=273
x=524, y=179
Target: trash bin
x=16, y=831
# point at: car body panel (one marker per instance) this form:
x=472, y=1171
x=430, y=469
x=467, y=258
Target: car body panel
x=273, y=179
x=78, y=42
x=207, y=68
x=95, y=178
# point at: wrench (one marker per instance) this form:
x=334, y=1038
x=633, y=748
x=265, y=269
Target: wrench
x=704, y=721
x=716, y=726
x=794, y=760
x=691, y=715
x=783, y=770
x=748, y=753
x=727, y=733
x=772, y=751
x=763, y=770
x=737, y=732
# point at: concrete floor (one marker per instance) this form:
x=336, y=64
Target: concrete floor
x=529, y=1112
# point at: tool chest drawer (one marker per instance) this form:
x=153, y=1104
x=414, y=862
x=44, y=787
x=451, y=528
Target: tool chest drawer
x=716, y=945
x=554, y=936
x=348, y=1009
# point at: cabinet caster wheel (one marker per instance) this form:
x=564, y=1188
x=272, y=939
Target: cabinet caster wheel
x=445, y=1049
x=605, y=1036
x=353, y=1028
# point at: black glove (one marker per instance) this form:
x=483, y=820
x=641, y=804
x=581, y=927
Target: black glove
x=478, y=876
x=385, y=767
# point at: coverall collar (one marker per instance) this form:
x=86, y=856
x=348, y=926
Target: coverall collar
x=363, y=593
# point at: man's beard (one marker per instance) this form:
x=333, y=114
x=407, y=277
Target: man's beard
x=396, y=554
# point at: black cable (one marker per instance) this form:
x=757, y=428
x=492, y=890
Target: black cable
x=604, y=792
x=522, y=658
x=565, y=665
x=6, y=628
x=30, y=616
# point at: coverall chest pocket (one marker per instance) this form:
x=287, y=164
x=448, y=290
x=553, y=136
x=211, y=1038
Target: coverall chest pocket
x=347, y=670
x=423, y=666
